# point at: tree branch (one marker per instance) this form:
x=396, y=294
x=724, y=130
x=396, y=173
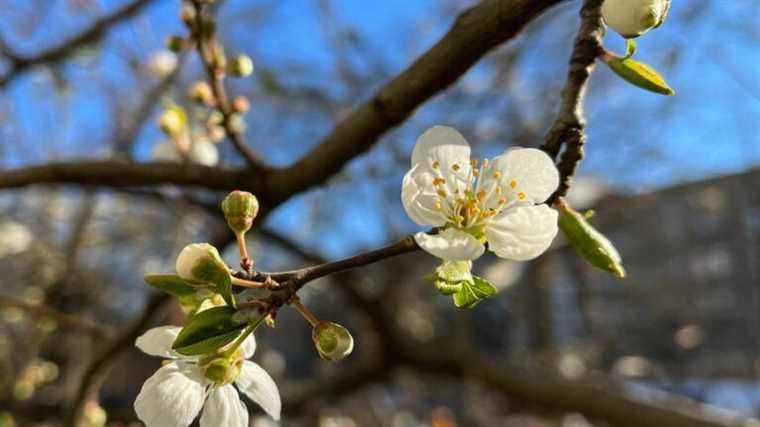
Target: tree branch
x=58, y=53
x=569, y=126
x=475, y=32
x=64, y=319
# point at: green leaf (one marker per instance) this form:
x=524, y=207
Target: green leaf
x=224, y=287
x=207, y=331
x=170, y=283
x=640, y=74
x=589, y=243
x=448, y=288
x=473, y=292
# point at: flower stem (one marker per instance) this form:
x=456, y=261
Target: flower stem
x=305, y=312
x=246, y=332
x=247, y=283
x=245, y=260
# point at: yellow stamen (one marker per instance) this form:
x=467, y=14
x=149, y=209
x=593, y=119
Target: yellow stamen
x=442, y=193
x=513, y=183
x=436, y=164
x=439, y=181
x=497, y=175
x=455, y=167
x=521, y=195
x=503, y=201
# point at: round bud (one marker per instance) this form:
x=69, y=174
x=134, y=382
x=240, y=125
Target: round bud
x=333, y=341
x=241, y=66
x=175, y=43
x=201, y=92
x=201, y=263
x=204, y=152
x=162, y=63
x=187, y=14
x=240, y=208
x=241, y=104
x=222, y=370
x=172, y=120
x=216, y=133
x=632, y=18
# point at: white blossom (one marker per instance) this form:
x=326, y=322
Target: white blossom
x=179, y=391
x=498, y=201
x=162, y=63
x=632, y=18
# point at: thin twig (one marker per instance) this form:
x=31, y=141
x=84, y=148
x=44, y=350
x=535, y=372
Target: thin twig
x=63, y=319
x=207, y=45
x=568, y=129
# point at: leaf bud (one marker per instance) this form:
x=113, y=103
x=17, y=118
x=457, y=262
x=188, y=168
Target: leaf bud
x=590, y=244
x=240, y=208
x=333, y=341
x=175, y=43
x=172, y=120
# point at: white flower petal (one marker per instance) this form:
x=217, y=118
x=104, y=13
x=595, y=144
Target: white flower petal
x=532, y=171
x=172, y=397
x=158, y=341
x=440, y=141
x=256, y=383
x=248, y=347
x=522, y=232
x=224, y=409
x=450, y=245
x=419, y=202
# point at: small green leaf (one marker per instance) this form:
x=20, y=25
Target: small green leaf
x=590, y=244
x=639, y=74
x=224, y=287
x=170, y=283
x=448, y=288
x=206, y=331
x=473, y=292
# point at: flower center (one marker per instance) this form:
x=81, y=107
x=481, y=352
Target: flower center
x=468, y=202
x=222, y=370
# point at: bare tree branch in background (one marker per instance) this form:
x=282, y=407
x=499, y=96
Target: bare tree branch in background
x=60, y=52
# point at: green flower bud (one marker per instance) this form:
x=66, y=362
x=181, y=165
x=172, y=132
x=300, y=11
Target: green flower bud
x=332, y=340
x=222, y=370
x=201, y=92
x=175, y=43
x=172, y=120
x=241, y=66
x=240, y=208
x=201, y=263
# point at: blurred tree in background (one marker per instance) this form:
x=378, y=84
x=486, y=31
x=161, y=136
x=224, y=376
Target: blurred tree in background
x=85, y=212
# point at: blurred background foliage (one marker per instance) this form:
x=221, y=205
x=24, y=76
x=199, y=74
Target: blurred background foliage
x=674, y=181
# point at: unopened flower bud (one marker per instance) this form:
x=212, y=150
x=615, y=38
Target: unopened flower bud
x=216, y=133
x=201, y=263
x=632, y=18
x=222, y=370
x=333, y=342
x=175, y=43
x=201, y=92
x=241, y=66
x=240, y=208
x=162, y=63
x=237, y=123
x=187, y=14
x=172, y=120
x=241, y=104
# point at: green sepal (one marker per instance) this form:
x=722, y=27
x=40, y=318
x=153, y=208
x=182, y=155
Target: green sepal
x=170, y=283
x=473, y=292
x=447, y=288
x=207, y=331
x=589, y=243
x=640, y=74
